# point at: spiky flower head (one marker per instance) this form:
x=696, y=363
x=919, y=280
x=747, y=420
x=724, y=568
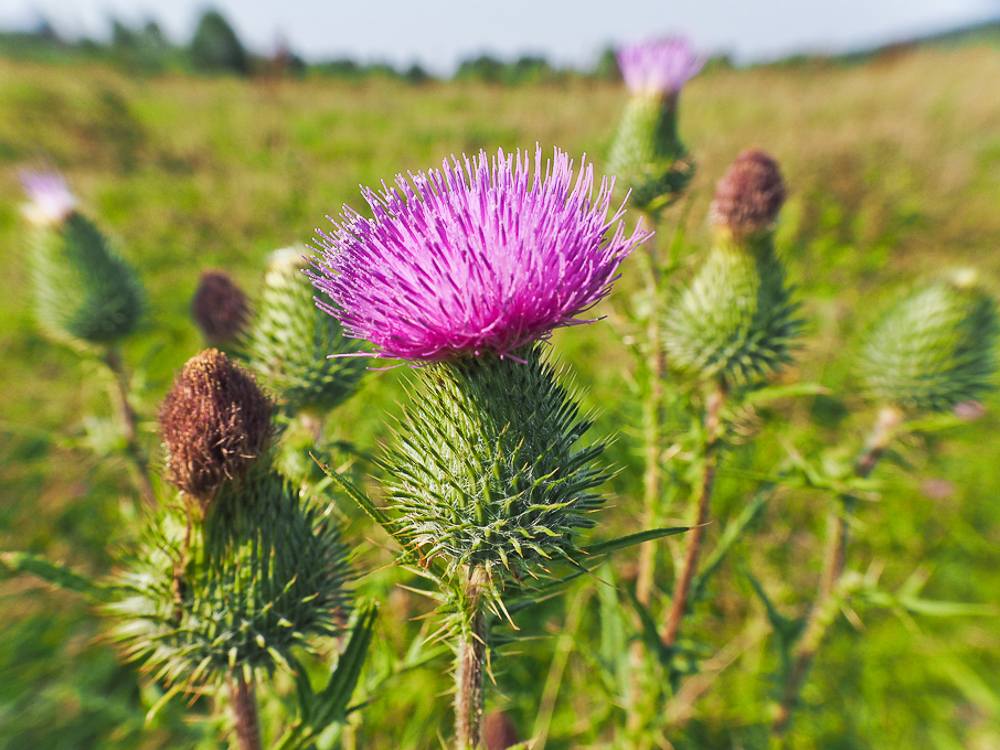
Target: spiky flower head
x=264, y=575
x=935, y=348
x=659, y=67
x=750, y=194
x=647, y=154
x=85, y=292
x=50, y=200
x=215, y=421
x=292, y=339
x=736, y=320
x=482, y=256
x=488, y=473
x=219, y=308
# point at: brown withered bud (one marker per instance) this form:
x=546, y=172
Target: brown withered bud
x=214, y=422
x=499, y=731
x=219, y=308
x=749, y=195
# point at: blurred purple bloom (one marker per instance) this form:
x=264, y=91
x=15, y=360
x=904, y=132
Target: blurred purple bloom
x=51, y=201
x=659, y=66
x=482, y=256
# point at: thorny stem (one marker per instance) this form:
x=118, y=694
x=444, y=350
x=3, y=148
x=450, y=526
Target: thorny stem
x=823, y=609
x=469, y=662
x=127, y=423
x=245, y=712
x=682, y=586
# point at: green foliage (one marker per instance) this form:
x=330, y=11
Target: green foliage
x=85, y=291
x=215, y=47
x=736, y=319
x=486, y=472
x=292, y=339
x=934, y=348
x=266, y=574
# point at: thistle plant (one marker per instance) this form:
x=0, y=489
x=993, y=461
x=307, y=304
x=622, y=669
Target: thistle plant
x=227, y=590
x=647, y=154
x=87, y=296
x=465, y=271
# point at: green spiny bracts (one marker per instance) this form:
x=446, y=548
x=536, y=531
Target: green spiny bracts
x=265, y=573
x=487, y=473
x=646, y=155
x=934, y=348
x=85, y=291
x=736, y=320
x=292, y=339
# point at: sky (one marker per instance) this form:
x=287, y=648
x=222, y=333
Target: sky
x=438, y=34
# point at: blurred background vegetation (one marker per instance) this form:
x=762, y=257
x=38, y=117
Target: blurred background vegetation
x=204, y=156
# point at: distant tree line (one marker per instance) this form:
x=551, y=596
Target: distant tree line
x=215, y=49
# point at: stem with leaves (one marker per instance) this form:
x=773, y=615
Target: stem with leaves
x=824, y=608
x=245, y=712
x=682, y=586
x=128, y=423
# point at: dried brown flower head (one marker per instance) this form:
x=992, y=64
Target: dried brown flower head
x=219, y=308
x=214, y=422
x=750, y=194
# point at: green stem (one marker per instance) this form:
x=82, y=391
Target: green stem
x=823, y=609
x=128, y=424
x=682, y=586
x=245, y=713
x=469, y=661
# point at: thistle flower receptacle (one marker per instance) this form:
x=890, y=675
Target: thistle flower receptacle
x=480, y=257
x=215, y=422
x=934, y=349
x=291, y=341
x=647, y=154
x=488, y=473
x=736, y=319
x=84, y=290
x=265, y=574
x=219, y=308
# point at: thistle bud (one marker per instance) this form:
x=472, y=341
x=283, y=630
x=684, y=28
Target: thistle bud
x=749, y=196
x=647, y=155
x=85, y=291
x=736, y=319
x=934, y=349
x=214, y=422
x=219, y=308
x=292, y=339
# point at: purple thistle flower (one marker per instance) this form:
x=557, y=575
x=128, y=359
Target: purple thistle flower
x=479, y=257
x=51, y=201
x=659, y=66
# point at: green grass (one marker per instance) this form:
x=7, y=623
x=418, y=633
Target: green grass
x=893, y=172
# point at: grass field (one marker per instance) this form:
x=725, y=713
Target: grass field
x=894, y=174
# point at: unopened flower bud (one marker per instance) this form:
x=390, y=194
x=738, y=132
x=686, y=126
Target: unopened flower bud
x=750, y=194
x=214, y=422
x=219, y=308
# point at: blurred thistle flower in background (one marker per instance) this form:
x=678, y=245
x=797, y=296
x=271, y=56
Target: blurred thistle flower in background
x=50, y=199
x=647, y=154
x=483, y=256
x=215, y=421
x=659, y=67
x=219, y=308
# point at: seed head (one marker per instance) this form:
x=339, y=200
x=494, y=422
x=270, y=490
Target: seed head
x=750, y=194
x=214, y=422
x=219, y=308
